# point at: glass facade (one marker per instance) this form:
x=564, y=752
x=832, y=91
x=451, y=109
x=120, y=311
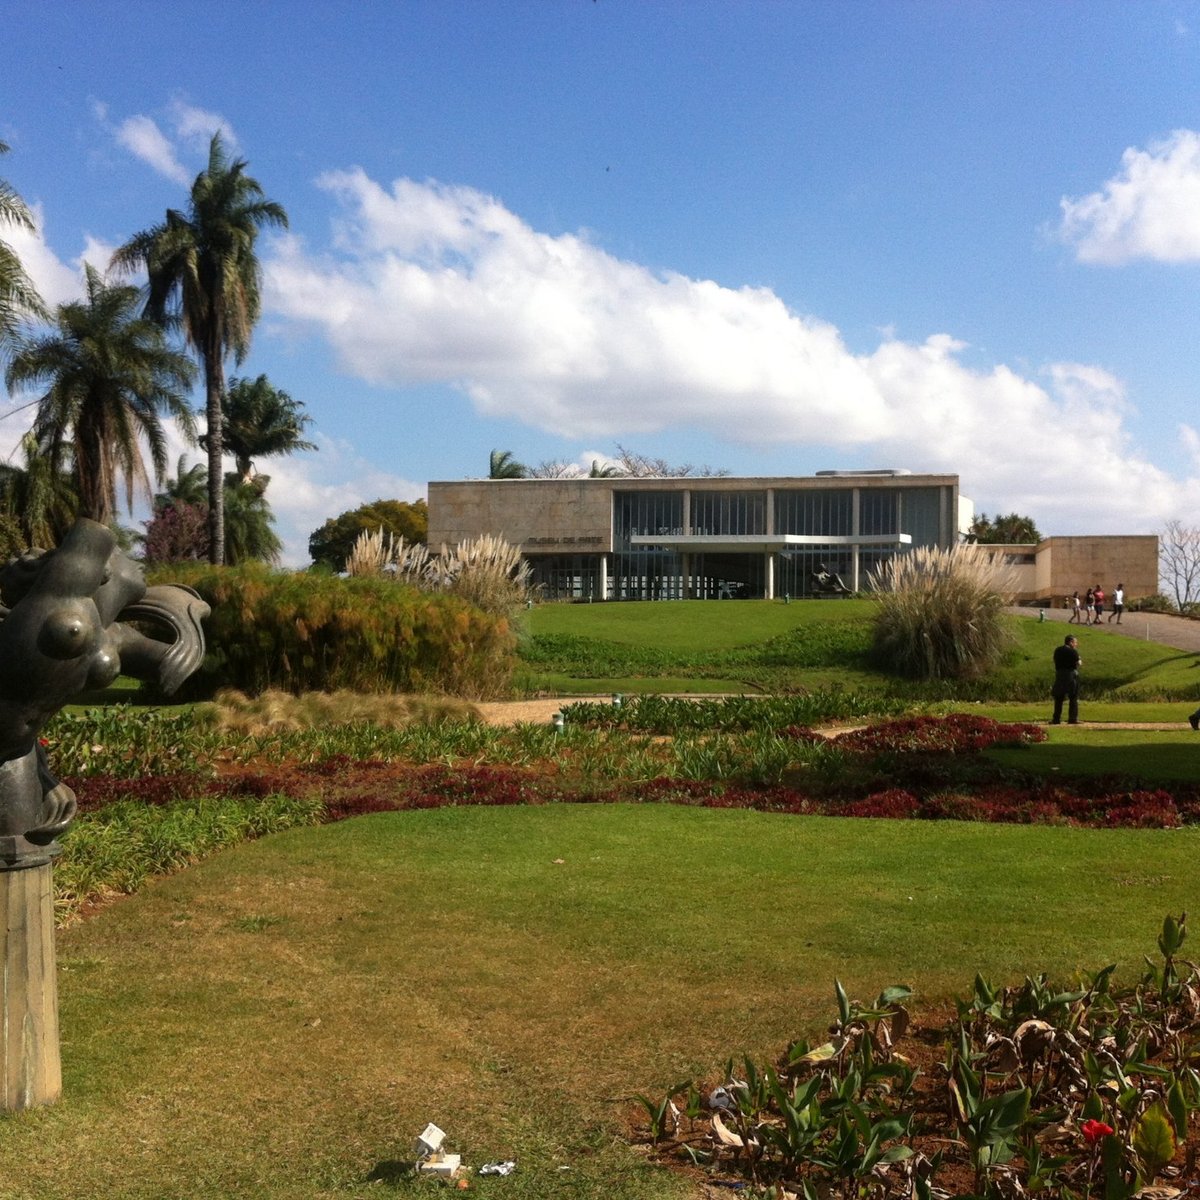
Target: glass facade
x=813, y=512
x=728, y=513
x=646, y=514
x=649, y=572
x=565, y=576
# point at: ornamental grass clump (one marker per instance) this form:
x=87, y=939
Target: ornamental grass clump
x=485, y=571
x=940, y=613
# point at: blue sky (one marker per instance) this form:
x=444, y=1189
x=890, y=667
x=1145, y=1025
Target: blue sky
x=768, y=237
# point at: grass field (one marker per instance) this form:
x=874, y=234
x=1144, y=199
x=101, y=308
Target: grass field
x=281, y=1020
x=749, y=646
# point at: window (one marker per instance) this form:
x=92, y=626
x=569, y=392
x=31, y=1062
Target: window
x=725, y=514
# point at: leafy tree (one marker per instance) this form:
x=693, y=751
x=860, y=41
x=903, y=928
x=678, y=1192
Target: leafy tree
x=330, y=545
x=261, y=421
x=111, y=374
x=502, y=465
x=173, y=534
x=176, y=533
x=204, y=274
x=18, y=296
x=1011, y=530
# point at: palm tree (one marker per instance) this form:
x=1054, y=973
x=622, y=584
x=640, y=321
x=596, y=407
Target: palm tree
x=189, y=486
x=502, y=465
x=110, y=374
x=18, y=296
x=260, y=421
x=203, y=273
x=40, y=499
x=250, y=525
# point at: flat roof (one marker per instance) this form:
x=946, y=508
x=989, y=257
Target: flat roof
x=847, y=479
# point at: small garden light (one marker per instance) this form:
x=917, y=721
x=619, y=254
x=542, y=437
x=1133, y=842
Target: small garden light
x=558, y=721
x=617, y=699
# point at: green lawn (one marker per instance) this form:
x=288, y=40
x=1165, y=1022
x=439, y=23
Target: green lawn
x=1146, y=755
x=688, y=626
x=281, y=1020
x=769, y=646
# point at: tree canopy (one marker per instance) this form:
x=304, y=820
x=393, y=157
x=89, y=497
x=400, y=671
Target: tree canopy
x=18, y=296
x=503, y=465
x=110, y=375
x=330, y=545
x=261, y=421
x=179, y=531
x=1010, y=529
x=203, y=273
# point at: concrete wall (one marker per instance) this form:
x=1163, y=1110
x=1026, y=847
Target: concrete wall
x=539, y=515
x=550, y=516
x=1063, y=565
x=1078, y=563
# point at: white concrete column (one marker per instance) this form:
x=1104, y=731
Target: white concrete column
x=769, y=575
x=602, y=585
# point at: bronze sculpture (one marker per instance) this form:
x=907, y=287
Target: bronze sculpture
x=66, y=629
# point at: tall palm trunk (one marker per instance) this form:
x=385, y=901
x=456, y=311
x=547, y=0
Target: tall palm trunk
x=213, y=384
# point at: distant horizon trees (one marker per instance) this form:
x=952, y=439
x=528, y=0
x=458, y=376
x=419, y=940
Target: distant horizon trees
x=503, y=464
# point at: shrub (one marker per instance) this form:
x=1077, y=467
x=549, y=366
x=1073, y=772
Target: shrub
x=1153, y=604
x=313, y=632
x=940, y=613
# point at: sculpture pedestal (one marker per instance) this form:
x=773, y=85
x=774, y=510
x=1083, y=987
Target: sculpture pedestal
x=29, y=1039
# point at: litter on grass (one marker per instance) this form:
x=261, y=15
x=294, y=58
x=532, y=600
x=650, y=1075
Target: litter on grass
x=498, y=1168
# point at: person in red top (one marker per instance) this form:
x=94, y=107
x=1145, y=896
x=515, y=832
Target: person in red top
x=1099, y=598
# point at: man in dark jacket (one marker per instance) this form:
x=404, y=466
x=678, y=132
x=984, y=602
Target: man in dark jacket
x=1066, y=681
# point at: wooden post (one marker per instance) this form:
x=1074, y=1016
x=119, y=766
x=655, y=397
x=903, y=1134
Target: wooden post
x=29, y=1039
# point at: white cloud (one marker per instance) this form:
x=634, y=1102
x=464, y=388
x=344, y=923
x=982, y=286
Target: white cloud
x=144, y=138
x=141, y=136
x=1149, y=210
x=427, y=283
x=196, y=126
x=56, y=281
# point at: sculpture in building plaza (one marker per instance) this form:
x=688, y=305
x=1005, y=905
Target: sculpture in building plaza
x=828, y=582
x=66, y=627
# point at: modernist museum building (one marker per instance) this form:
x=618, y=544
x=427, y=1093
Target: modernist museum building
x=700, y=537
x=725, y=538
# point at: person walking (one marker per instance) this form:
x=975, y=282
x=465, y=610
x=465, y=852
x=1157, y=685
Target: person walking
x=1118, y=603
x=1076, y=617
x=1066, y=682
x=1098, y=598
x=1089, y=605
